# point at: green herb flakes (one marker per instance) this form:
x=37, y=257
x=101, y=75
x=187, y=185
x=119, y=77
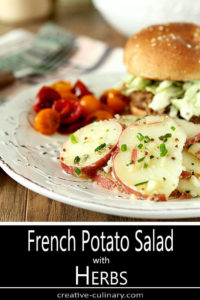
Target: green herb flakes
x=165, y=137
x=140, y=137
x=141, y=183
x=77, y=171
x=141, y=159
x=147, y=139
x=123, y=147
x=77, y=159
x=100, y=147
x=140, y=146
x=130, y=163
x=163, y=150
x=73, y=139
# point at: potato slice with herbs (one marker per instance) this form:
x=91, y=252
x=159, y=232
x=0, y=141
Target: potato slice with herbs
x=149, y=161
x=191, y=162
x=190, y=186
x=90, y=147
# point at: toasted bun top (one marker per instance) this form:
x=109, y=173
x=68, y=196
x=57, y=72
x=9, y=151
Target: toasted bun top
x=165, y=52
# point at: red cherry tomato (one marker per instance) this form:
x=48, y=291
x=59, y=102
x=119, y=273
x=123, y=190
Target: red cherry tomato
x=80, y=89
x=70, y=111
x=45, y=98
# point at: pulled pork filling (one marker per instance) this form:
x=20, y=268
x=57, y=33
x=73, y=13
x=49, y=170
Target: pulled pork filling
x=139, y=104
x=176, y=98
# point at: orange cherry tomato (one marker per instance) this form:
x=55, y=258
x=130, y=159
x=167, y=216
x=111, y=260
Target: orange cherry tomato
x=98, y=115
x=115, y=100
x=62, y=87
x=89, y=104
x=47, y=121
x=107, y=108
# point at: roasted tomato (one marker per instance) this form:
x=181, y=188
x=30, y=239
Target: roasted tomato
x=89, y=104
x=45, y=98
x=70, y=111
x=115, y=100
x=47, y=121
x=62, y=87
x=79, y=89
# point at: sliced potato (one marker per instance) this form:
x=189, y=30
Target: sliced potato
x=150, y=169
x=90, y=147
x=126, y=119
x=190, y=162
x=190, y=128
x=195, y=150
x=190, y=186
x=193, y=136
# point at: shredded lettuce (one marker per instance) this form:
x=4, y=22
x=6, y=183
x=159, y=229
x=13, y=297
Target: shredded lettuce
x=184, y=97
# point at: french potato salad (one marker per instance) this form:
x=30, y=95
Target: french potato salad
x=154, y=157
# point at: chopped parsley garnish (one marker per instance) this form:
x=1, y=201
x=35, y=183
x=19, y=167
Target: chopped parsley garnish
x=123, y=147
x=140, y=136
x=77, y=171
x=107, y=130
x=77, y=159
x=145, y=165
x=163, y=150
x=130, y=163
x=164, y=178
x=138, y=119
x=100, y=147
x=141, y=183
x=140, y=146
x=173, y=128
x=165, y=137
x=141, y=159
x=73, y=139
x=147, y=139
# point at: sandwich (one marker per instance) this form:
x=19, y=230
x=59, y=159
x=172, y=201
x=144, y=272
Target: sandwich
x=163, y=62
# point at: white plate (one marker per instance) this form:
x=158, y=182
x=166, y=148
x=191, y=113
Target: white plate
x=31, y=159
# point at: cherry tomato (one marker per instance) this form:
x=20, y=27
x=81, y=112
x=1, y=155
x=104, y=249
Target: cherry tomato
x=80, y=89
x=107, y=108
x=103, y=97
x=45, y=98
x=70, y=96
x=116, y=101
x=62, y=105
x=47, y=121
x=70, y=111
x=98, y=115
x=89, y=104
x=62, y=87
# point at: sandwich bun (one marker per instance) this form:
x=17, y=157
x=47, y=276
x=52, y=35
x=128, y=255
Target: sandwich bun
x=165, y=52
